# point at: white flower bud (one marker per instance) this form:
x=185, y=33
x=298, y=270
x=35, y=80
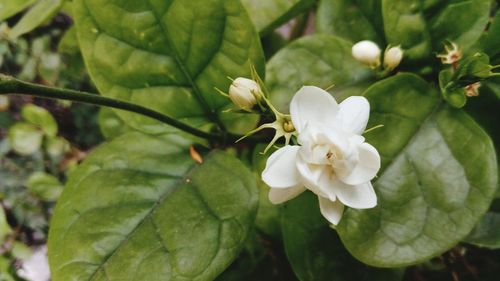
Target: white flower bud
x=245, y=93
x=367, y=52
x=393, y=57
x=4, y=103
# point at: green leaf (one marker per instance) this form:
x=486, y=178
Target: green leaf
x=486, y=233
x=42, y=11
x=354, y=20
x=41, y=118
x=44, y=186
x=319, y=60
x=56, y=147
x=151, y=213
x=491, y=40
x=25, y=138
x=405, y=25
x=268, y=214
x=461, y=22
x=315, y=251
x=168, y=55
x=453, y=94
x=11, y=7
x=111, y=124
x=269, y=14
x=5, y=228
x=438, y=177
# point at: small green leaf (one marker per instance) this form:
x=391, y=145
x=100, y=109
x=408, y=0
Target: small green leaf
x=5, y=228
x=405, y=25
x=42, y=11
x=461, y=22
x=56, y=147
x=486, y=233
x=491, y=40
x=354, y=20
x=44, y=186
x=439, y=174
x=140, y=208
x=320, y=60
x=11, y=7
x=168, y=55
x=269, y=14
x=454, y=95
x=41, y=118
x=314, y=250
x=25, y=138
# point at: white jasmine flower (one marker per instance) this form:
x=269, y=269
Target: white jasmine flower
x=245, y=93
x=36, y=267
x=332, y=158
x=367, y=52
x=393, y=57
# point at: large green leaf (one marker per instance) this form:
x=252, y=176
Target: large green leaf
x=354, y=20
x=167, y=55
x=37, y=15
x=269, y=14
x=12, y=7
x=139, y=208
x=319, y=60
x=315, y=251
x=438, y=176
x=491, y=40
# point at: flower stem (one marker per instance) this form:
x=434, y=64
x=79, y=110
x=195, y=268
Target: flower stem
x=10, y=85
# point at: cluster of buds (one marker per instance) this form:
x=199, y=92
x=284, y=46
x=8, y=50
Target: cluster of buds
x=368, y=53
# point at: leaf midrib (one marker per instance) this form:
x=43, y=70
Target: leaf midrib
x=160, y=201
x=208, y=110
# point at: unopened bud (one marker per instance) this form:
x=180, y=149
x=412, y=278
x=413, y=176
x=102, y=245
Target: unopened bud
x=245, y=93
x=367, y=52
x=472, y=90
x=452, y=55
x=4, y=103
x=393, y=57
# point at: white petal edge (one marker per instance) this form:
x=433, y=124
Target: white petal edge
x=314, y=106
x=353, y=114
x=281, y=195
x=331, y=210
x=281, y=169
x=360, y=196
x=366, y=168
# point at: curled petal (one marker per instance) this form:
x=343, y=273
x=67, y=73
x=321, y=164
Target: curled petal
x=331, y=210
x=353, y=114
x=360, y=196
x=366, y=166
x=281, y=195
x=314, y=106
x=281, y=171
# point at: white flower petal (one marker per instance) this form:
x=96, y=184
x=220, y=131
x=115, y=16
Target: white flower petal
x=313, y=106
x=360, y=196
x=353, y=114
x=366, y=167
x=311, y=176
x=331, y=210
x=280, y=195
x=281, y=171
